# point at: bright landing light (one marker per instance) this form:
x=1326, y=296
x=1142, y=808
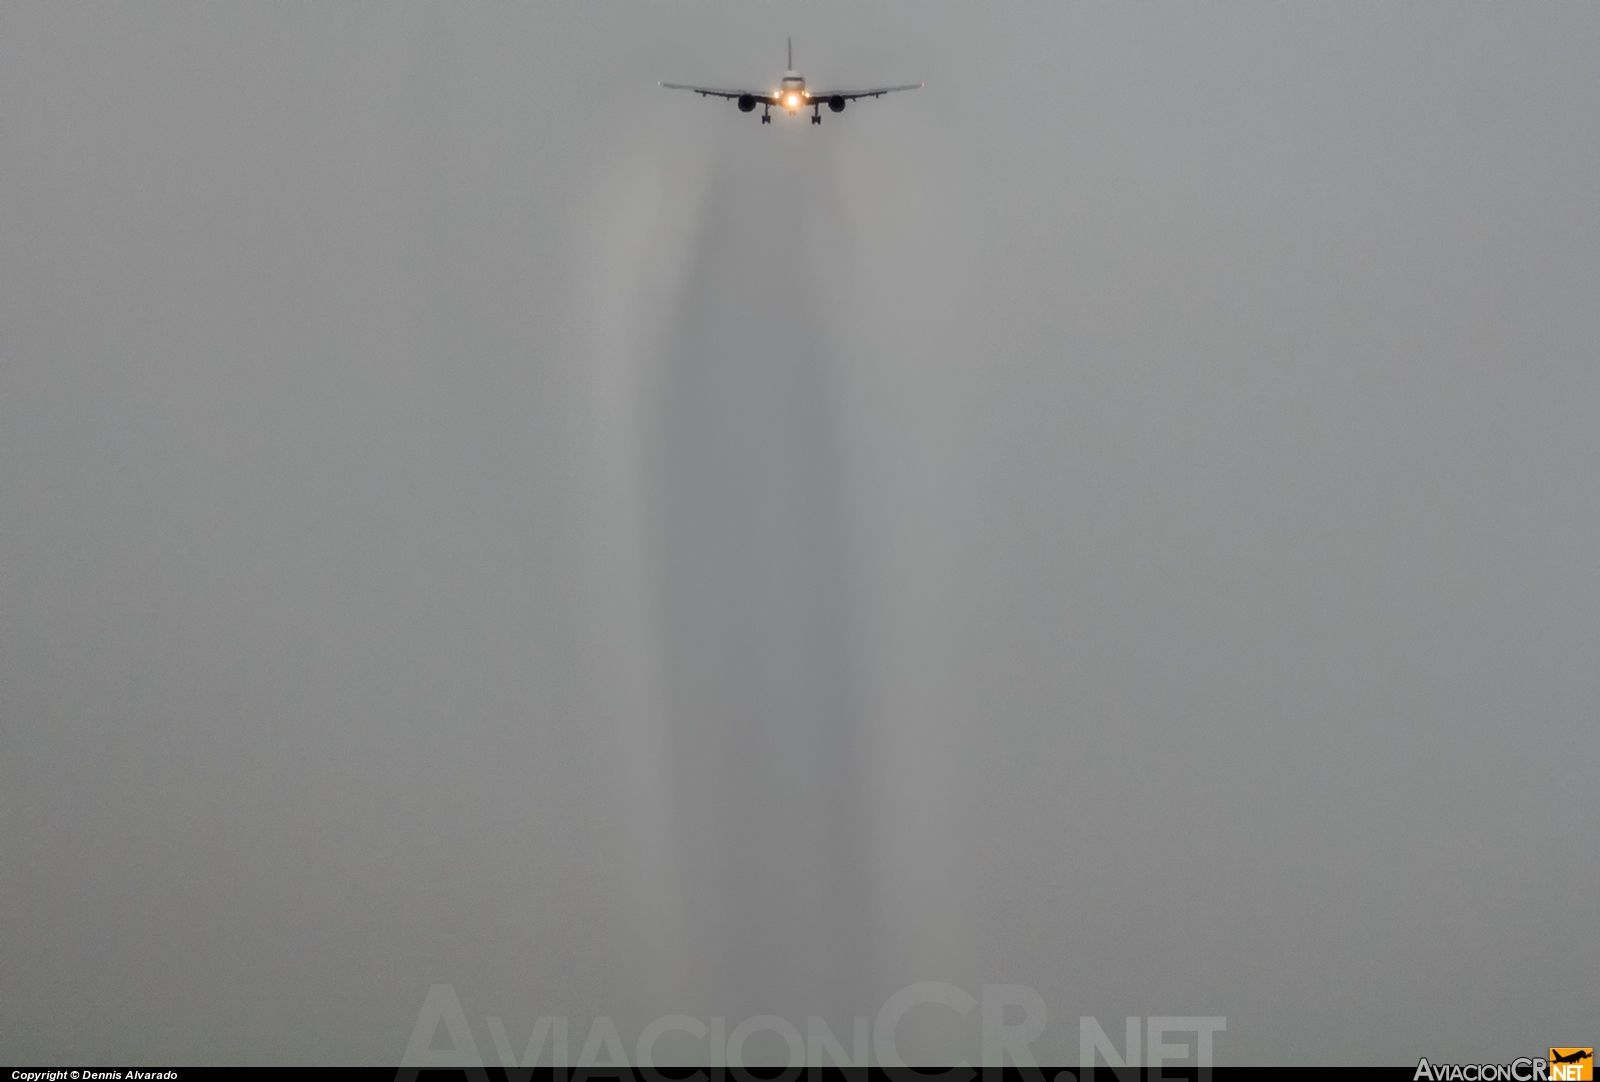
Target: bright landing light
x=794, y=100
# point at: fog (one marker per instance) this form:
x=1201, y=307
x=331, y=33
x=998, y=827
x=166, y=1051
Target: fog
x=1120, y=520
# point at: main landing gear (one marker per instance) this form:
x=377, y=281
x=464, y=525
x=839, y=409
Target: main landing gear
x=816, y=113
x=766, y=114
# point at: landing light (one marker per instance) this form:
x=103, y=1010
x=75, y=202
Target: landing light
x=794, y=100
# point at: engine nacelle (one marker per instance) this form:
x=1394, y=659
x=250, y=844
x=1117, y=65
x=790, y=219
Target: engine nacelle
x=747, y=102
x=836, y=103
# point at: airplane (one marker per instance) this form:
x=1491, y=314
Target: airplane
x=792, y=95
x=1576, y=1055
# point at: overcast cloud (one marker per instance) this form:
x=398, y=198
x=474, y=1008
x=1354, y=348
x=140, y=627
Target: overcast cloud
x=1121, y=520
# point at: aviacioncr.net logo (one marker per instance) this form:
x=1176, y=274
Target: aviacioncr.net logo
x=1563, y=1065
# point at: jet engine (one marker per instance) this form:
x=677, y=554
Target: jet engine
x=836, y=103
x=747, y=102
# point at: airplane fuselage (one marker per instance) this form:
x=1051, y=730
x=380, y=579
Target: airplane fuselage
x=792, y=92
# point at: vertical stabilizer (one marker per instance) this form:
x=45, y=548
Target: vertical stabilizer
x=791, y=55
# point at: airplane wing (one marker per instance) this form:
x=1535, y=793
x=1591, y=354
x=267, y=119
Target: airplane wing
x=714, y=92
x=875, y=92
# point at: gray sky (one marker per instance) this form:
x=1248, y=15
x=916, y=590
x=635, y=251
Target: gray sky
x=1121, y=520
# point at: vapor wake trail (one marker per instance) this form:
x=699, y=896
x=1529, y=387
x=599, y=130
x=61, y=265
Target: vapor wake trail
x=746, y=517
